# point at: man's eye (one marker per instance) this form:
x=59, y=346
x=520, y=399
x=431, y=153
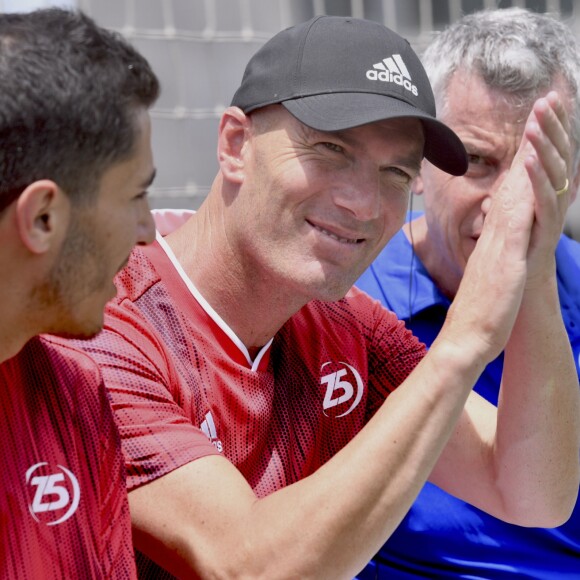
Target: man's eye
x=400, y=173
x=475, y=159
x=333, y=147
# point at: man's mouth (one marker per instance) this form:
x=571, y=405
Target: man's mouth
x=336, y=237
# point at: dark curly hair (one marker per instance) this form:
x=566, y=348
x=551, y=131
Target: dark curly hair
x=70, y=92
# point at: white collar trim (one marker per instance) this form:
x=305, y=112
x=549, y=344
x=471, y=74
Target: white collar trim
x=210, y=311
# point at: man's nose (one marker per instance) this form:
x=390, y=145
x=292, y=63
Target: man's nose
x=146, y=226
x=360, y=194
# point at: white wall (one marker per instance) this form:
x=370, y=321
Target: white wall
x=27, y=5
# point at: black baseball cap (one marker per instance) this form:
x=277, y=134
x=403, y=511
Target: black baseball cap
x=334, y=73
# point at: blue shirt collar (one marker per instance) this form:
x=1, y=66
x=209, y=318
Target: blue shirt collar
x=405, y=278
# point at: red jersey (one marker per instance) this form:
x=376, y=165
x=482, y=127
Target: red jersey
x=183, y=385
x=63, y=504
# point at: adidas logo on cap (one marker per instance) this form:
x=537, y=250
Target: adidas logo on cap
x=392, y=70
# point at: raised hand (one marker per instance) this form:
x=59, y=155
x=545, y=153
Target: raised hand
x=520, y=233
x=548, y=166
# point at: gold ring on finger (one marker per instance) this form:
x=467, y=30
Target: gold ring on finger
x=564, y=189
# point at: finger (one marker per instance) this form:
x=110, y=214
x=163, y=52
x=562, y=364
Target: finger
x=550, y=209
x=540, y=181
x=558, y=107
x=554, y=123
x=546, y=131
x=553, y=119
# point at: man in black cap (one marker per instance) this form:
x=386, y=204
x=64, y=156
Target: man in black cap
x=276, y=422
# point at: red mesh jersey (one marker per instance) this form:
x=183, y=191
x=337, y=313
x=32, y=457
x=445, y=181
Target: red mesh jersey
x=183, y=385
x=63, y=502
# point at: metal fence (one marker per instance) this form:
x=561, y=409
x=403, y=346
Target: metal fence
x=199, y=49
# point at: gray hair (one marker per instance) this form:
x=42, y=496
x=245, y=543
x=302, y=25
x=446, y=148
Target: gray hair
x=515, y=51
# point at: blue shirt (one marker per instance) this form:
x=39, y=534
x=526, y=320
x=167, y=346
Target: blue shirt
x=441, y=536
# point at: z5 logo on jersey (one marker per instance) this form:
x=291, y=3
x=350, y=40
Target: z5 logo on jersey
x=343, y=386
x=55, y=493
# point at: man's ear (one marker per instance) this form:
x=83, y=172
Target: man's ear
x=232, y=137
x=42, y=216
x=417, y=185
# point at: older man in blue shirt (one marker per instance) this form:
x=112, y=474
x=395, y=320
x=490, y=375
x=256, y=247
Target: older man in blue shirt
x=486, y=70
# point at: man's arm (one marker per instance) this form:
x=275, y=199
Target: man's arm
x=205, y=517
x=539, y=407
x=526, y=469
x=531, y=454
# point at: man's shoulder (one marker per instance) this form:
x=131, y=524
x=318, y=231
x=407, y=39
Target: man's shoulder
x=64, y=357
x=138, y=275
x=357, y=314
x=396, y=274
x=48, y=359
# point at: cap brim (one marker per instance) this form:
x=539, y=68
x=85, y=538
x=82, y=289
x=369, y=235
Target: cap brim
x=338, y=111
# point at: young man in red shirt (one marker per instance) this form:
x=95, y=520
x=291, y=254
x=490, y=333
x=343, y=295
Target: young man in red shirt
x=75, y=164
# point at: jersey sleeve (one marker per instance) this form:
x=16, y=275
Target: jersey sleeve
x=152, y=407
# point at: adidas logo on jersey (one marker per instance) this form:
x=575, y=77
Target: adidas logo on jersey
x=208, y=427
x=392, y=70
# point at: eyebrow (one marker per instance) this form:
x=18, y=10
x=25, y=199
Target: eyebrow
x=149, y=180
x=476, y=149
x=411, y=161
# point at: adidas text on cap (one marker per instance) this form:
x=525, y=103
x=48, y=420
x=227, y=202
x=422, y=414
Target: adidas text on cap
x=334, y=73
